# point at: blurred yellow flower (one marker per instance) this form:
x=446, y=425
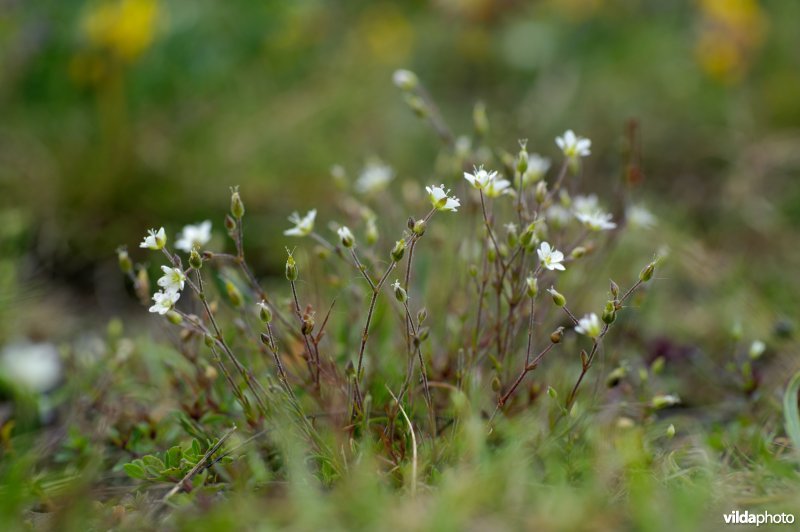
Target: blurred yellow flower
x=731, y=31
x=125, y=28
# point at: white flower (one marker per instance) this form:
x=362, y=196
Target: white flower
x=537, y=167
x=585, y=204
x=396, y=284
x=374, y=177
x=480, y=177
x=194, y=236
x=757, y=349
x=346, y=236
x=441, y=199
x=497, y=187
x=596, y=221
x=154, y=239
x=302, y=226
x=172, y=280
x=34, y=366
x=164, y=301
x=558, y=215
x=550, y=257
x=573, y=146
x=639, y=216
x=590, y=325
x=404, y=79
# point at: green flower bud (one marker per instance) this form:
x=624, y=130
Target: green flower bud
x=291, y=268
x=647, y=272
x=237, y=207
x=552, y=392
x=533, y=286
x=399, y=292
x=398, y=250
x=614, y=289
x=558, y=298
x=422, y=315
x=664, y=401
x=195, y=261
x=174, y=318
x=230, y=223
x=234, y=295
x=125, y=263
x=609, y=313
x=419, y=227
x=473, y=270
x=578, y=252
x=541, y=191
x=264, y=312
x=511, y=235
x=372, y=232
x=671, y=431
x=522, y=158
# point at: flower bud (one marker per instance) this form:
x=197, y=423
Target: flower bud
x=419, y=227
x=234, y=295
x=423, y=333
x=473, y=270
x=399, y=292
x=552, y=392
x=558, y=298
x=291, y=268
x=757, y=349
x=142, y=285
x=209, y=340
x=346, y=236
x=533, y=286
x=557, y=335
x=614, y=289
x=350, y=369
x=422, y=315
x=511, y=236
x=405, y=79
x=237, y=207
x=308, y=323
x=522, y=159
x=174, y=318
x=124, y=259
x=527, y=235
x=372, y=232
x=584, y=359
x=195, y=261
x=417, y=105
x=541, y=191
x=264, y=312
x=491, y=253
x=265, y=340
x=647, y=272
x=230, y=223
x=609, y=313
x=664, y=401
x=578, y=252
x=398, y=250
x=657, y=366
x=671, y=431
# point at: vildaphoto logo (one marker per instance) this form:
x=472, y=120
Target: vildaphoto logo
x=762, y=518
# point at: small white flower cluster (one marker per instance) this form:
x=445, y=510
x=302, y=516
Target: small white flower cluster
x=173, y=280
x=488, y=182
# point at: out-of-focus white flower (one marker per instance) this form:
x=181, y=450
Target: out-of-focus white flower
x=404, y=79
x=498, y=187
x=155, y=239
x=574, y=146
x=664, y=401
x=441, y=199
x=596, y=221
x=164, y=301
x=757, y=349
x=36, y=366
x=590, y=325
x=463, y=146
x=302, y=226
x=585, y=204
x=194, y=236
x=557, y=215
x=537, y=167
x=479, y=177
x=639, y=216
x=374, y=177
x=346, y=236
x=173, y=279
x=550, y=257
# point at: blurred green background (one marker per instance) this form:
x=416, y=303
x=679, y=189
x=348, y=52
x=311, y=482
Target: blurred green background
x=125, y=114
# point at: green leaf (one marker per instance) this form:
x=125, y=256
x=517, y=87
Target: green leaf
x=135, y=471
x=790, y=411
x=172, y=458
x=153, y=464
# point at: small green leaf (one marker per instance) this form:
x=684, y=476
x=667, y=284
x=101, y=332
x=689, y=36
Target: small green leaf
x=172, y=458
x=135, y=471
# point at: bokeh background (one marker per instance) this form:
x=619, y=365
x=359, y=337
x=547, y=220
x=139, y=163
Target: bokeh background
x=120, y=115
